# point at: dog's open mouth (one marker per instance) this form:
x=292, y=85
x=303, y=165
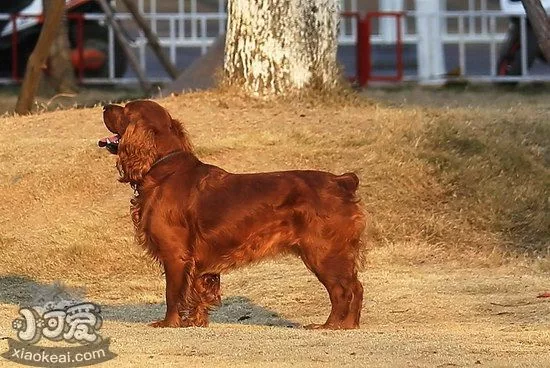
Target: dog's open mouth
x=111, y=143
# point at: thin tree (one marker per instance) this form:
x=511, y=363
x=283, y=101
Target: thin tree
x=539, y=20
x=61, y=71
x=277, y=47
x=39, y=56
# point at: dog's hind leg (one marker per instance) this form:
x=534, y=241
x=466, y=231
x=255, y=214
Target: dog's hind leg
x=205, y=295
x=336, y=270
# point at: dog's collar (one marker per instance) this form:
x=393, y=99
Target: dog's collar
x=164, y=158
x=135, y=186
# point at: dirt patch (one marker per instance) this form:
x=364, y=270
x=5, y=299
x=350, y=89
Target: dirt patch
x=417, y=317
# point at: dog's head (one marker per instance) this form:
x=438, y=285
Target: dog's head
x=144, y=132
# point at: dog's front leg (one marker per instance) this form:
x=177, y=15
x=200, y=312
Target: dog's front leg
x=178, y=273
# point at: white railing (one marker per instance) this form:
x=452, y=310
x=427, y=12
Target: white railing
x=192, y=29
x=471, y=28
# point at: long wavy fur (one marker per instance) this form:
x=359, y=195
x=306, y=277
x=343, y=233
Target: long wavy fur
x=137, y=152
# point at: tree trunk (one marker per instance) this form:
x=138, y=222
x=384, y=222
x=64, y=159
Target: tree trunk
x=61, y=71
x=38, y=57
x=539, y=21
x=276, y=47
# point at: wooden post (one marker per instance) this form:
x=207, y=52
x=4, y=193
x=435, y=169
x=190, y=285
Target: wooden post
x=143, y=81
x=60, y=67
x=39, y=56
x=151, y=38
x=539, y=21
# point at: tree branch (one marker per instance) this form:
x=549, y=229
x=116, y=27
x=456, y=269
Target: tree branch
x=539, y=21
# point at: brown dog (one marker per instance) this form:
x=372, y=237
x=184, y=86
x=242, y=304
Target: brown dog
x=199, y=220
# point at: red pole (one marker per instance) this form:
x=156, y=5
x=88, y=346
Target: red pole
x=399, y=48
x=80, y=46
x=368, y=46
x=359, y=53
x=363, y=51
x=14, y=51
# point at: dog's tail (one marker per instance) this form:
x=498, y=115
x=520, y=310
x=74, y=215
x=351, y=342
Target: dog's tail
x=348, y=181
x=360, y=219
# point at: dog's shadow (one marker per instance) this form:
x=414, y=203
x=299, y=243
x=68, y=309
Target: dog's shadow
x=24, y=291
x=235, y=309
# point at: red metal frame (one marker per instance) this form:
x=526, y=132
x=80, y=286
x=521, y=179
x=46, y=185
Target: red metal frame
x=365, y=32
x=364, y=47
x=79, y=17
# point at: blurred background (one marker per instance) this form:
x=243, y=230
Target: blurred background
x=438, y=40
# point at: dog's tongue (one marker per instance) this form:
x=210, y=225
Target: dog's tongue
x=105, y=141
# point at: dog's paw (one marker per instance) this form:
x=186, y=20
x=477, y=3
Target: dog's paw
x=163, y=323
x=330, y=326
x=315, y=326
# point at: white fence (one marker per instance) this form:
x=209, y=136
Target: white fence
x=481, y=31
x=194, y=28
x=187, y=34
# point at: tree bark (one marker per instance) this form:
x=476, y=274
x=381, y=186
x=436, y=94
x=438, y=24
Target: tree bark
x=38, y=57
x=539, y=21
x=61, y=71
x=276, y=47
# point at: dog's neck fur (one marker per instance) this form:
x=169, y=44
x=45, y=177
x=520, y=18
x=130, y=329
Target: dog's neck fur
x=147, y=180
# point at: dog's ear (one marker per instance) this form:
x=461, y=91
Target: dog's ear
x=137, y=152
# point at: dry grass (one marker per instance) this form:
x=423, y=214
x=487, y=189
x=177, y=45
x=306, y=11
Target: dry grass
x=448, y=186
x=466, y=184
x=47, y=100
x=492, y=157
